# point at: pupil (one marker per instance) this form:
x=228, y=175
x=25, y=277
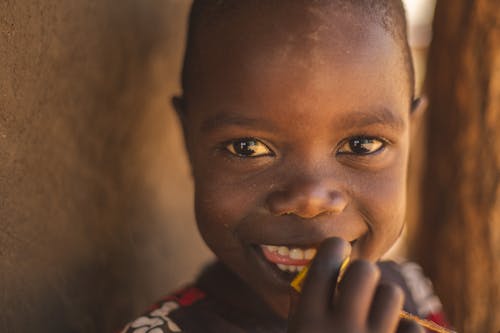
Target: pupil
x=245, y=147
x=358, y=145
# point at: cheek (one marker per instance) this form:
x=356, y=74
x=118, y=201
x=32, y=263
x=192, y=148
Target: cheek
x=221, y=205
x=383, y=201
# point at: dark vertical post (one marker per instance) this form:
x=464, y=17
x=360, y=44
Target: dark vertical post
x=458, y=240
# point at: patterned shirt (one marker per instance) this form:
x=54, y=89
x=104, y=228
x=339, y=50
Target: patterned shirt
x=220, y=302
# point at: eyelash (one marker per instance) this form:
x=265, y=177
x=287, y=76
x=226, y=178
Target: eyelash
x=246, y=147
x=380, y=144
x=251, y=145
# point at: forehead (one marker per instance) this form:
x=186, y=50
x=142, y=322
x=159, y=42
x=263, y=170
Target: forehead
x=289, y=56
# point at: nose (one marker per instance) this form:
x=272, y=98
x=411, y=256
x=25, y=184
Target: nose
x=307, y=199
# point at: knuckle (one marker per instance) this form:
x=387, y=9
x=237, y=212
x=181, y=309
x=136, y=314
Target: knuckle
x=391, y=291
x=335, y=246
x=411, y=327
x=330, y=253
x=364, y=267
x=318, y=268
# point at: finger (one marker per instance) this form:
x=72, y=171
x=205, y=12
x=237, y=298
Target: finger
x=386, y=306
x=407, y=326
x=356, y=291
x=321, y=280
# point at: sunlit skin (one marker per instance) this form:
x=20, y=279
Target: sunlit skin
x=298, y=134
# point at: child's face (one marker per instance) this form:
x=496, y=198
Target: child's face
x=296, y=135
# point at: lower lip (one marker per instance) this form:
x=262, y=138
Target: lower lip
x=276, y=258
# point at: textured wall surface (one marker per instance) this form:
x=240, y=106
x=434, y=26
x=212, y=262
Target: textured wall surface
x=93, y=179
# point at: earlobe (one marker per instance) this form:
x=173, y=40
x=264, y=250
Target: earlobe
x=178, y=104
x=418, y=106
x=417, y=112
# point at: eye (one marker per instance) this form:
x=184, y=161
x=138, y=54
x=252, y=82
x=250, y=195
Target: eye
x=361, y=145
x=248, y=147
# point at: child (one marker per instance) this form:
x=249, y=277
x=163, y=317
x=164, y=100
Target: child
x=297, y=118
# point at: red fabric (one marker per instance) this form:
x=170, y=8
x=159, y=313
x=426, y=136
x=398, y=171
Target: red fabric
x=439, y=319
x=190, y=296
x=184, y=297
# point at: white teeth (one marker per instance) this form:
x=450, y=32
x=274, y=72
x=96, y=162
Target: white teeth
x=296, y=254
x=289, y=268
x=272, y=248
x=283, y=251
x=309, y=253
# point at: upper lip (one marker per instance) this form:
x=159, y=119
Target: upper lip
x=306, y=246
x=296, y=232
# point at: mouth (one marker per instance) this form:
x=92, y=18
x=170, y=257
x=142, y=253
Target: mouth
x=288, y=261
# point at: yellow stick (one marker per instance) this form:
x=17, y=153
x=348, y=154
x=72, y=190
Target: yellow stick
x=430, y=325
x=298, y=282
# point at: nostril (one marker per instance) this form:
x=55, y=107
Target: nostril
x=279, y=203
x=306, y=204
x=314, y=206
x=337, y=201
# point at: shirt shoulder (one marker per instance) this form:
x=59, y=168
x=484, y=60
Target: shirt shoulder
x=160, y=317
x=420, y=298
x=428, y=304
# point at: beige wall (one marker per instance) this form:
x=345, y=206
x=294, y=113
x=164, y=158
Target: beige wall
x=93, y=179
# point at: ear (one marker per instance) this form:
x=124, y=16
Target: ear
x=179, y=105
x=417, y=112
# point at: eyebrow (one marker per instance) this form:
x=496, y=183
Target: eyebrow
x=381, y=116
x=357, y=119
x=224, y=119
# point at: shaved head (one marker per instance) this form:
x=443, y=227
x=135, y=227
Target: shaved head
x=281, y=28
x=297, y=120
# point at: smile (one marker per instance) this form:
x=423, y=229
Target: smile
x=288, y=259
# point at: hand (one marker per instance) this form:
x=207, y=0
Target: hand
x=360, y=304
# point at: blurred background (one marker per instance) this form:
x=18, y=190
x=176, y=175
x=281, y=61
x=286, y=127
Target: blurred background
x=96, y=217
